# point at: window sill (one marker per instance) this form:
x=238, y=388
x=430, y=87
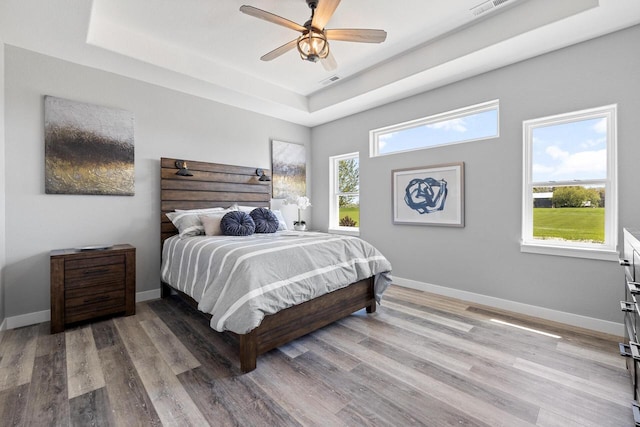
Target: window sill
x=575, y=252
x=349, y=231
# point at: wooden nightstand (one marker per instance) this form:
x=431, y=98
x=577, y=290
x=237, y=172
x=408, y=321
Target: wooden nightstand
x=86, y=284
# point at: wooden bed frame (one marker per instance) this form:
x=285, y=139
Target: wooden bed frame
x=218, y=185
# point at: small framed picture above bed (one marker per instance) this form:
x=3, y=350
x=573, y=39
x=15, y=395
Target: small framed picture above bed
x=429, y=195
x=289, y=164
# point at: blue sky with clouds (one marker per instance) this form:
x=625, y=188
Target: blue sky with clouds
x=570, y=151
x=475, y=126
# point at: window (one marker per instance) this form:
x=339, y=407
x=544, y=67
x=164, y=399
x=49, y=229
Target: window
x=344, y=216
x=570, y=195
x=452, y=127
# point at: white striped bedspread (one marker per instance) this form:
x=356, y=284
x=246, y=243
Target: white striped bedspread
x=239, y=280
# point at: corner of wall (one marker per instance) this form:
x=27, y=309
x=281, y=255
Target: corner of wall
x=2, y=189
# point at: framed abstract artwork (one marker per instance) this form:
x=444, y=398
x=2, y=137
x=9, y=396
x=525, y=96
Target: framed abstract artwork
x=89, y=149
x=289, y=170
x=429, y=195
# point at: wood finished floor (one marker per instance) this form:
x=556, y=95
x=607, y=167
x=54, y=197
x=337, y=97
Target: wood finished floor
x=420, y=360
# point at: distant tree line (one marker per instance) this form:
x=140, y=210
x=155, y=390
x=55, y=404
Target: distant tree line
x=574, y=196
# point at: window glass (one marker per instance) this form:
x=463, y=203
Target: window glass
x=349, y=215
x=569, y=213
x=345, y=194
x=570, y=151
x=466, y=124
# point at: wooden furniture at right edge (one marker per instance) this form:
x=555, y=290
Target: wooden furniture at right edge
x=631, y=347
x=214, y=184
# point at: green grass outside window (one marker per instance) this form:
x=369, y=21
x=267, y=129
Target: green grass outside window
x=352, y=212
x=575, y=224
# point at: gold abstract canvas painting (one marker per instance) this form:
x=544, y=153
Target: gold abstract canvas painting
x=89, y=149
x=289, y=164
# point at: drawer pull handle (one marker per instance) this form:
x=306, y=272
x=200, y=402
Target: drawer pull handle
x=94, y=272
x=96, y=299
x=630, y=350
x=624, y=350
x=627, y=306
x=634, y=287
x=624, y=262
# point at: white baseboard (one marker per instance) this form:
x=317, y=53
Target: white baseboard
x=578, y=320
x=28, y=319
x=45, y=315
x=148, y=295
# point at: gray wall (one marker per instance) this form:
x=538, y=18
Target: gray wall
x=2, y=186
x=167, y=124
x=484, y=257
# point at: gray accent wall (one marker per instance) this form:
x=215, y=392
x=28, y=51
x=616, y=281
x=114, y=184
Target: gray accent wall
x=484, y=257
x=167, y=124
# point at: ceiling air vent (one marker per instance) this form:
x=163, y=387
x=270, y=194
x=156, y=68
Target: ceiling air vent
x=487, y=6
x=329, y=80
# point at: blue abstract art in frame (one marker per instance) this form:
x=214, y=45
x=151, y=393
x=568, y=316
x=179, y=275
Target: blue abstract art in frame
x=430, y=195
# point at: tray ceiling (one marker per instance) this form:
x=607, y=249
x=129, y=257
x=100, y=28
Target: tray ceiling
x=210, y=49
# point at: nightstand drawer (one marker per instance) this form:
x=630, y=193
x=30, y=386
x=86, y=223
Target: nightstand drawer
x=88, y=263
x=101, y=305
x=112, y=276
x=89, y=302
x=97, y=288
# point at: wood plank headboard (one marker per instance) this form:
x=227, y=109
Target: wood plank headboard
x=212, y=185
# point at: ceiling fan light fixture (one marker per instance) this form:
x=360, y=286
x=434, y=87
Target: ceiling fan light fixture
x=313, y=45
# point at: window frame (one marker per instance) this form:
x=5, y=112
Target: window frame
x=375, y=134
x=605, y=251
x=335, y=193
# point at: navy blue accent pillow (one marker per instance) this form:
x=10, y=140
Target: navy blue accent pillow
x=265, y=220
x=237, y=223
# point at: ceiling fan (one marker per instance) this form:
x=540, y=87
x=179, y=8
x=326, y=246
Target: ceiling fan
x=313, y=43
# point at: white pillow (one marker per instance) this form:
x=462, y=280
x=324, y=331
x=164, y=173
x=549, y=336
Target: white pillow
x=188, y=224
x=246, y=209
x=198, y=211
x=282, y=225
x=211, y=223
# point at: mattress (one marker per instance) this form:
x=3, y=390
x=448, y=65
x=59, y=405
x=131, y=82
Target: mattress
x=240, y=279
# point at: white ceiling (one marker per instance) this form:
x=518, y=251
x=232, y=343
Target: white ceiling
x=210, y=49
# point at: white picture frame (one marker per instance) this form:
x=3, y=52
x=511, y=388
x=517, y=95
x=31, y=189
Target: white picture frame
x=429, y=195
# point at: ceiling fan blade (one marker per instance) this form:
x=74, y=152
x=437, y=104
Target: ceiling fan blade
x=357, y=35
x=324, y=12
x=329, y=63
x=268, y=16
x=280, y=50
